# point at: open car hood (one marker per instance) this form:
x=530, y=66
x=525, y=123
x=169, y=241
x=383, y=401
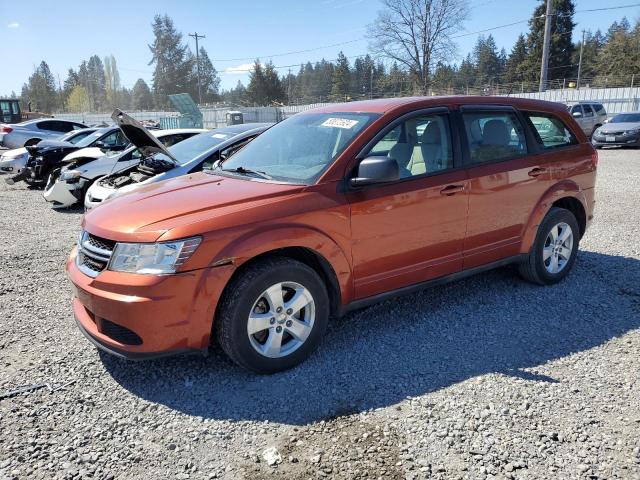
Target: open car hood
x=138, y=135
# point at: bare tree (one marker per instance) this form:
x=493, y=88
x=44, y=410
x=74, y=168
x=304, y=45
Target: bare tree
x=417, y=33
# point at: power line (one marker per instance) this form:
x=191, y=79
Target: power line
x=284, y=54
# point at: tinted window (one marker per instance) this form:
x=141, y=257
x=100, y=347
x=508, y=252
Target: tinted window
x=552, y=131
x=75, y=138
x=421, y=145
x=114, y=139
x=588, y=112
x=626, y=117
x=599, y=109
x=494, y=136
x=300, y=148
x=576, y=109
x=47, y=125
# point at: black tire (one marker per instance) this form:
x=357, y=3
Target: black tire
x=230, y=324
x=533, y=269
x=32, y=141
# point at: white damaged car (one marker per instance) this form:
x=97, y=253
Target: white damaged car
x=67, y=185
x=159, y=163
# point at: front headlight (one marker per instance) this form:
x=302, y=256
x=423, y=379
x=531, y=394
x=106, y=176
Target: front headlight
x=152, y=258
x=635, y=131
x=67, y=175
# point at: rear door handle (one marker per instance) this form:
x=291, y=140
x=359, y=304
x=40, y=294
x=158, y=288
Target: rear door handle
x=536, y=172
x=451, y=189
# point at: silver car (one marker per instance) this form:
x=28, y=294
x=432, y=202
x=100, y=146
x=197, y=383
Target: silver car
x=16, y=135
x=67, y=185
x=159, y=163
x=13, y=161
x=589, y=115
x=622, y=130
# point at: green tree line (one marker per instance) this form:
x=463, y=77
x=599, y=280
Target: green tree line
x=609, y=58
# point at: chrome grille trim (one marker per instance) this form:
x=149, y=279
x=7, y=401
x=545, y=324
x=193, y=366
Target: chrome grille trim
x=93, y=254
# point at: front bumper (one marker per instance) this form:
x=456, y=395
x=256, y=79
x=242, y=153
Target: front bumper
x=96, y=195
x=151, y=315
x=12, y=165
x=620, y=140
x=63, y=194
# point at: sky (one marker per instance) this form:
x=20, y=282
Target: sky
x=236, y=32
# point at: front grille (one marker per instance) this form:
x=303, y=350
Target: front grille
x=119, y=333
x=94, y=254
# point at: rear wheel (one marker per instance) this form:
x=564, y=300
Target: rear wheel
x=31, y=141
x=554, y=250
x=273, y=315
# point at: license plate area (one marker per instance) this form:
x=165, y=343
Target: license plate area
x=610, y=138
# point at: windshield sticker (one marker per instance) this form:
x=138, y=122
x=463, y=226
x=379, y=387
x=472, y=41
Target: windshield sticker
x=219, y=135
x=339, y=123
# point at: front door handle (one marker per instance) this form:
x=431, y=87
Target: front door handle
x=536, y=172
x=451, y=189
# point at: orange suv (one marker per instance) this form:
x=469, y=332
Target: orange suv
x=331, y=210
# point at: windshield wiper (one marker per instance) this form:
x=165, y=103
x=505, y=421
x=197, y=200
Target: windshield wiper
x=247, y=171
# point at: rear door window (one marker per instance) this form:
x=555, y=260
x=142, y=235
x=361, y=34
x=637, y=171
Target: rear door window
x=494, y=136
x=588, y=112
x=550, y=130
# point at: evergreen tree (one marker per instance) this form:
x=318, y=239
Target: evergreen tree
x=257, y=89
x=40, y=90
x=488, y=62
x=96, y=83
x=561, y=46
x=209, y=79
x=467, y=73
x=620, y=55
x=341, y=79
x=169, y=56
x=515, y=65
x=69, y=83
x=141, y=98
x=273, y=86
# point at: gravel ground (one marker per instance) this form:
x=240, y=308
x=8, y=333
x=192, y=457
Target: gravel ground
x=488, y=377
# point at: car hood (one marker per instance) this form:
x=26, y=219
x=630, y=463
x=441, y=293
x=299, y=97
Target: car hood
x=147, y=213
x=11, y=154
x=619, y=127
x=50, y=145
x=90, y=152
x=138, y=135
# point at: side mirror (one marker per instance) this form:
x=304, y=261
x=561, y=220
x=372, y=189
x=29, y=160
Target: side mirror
x=577, y=114
x=100, y=145
x=376, y=170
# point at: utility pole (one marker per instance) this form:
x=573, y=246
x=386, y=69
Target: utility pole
x=545, y=48
x=196, y=36
x=371, y=83
x=580, y=61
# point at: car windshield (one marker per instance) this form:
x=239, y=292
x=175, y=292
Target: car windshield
x=198, y=144
x=299, y=149
x=89, y=139
x=626, y=118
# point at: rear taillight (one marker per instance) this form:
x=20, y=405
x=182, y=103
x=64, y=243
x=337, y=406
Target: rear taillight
x=594, y=158
x=6, y=129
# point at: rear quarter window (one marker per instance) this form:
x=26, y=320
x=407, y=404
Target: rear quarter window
x=551, y=131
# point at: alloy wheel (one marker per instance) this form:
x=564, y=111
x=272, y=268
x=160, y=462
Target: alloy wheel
x=558, y=247
x=281, y=319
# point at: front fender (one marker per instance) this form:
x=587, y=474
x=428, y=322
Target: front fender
x=566, y=188
x=253, y=244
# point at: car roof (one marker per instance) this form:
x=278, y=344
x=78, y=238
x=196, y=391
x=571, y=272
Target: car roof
x=176, y=131
x=389, y=104
x=241, y=127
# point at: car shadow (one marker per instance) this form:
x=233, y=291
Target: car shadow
x=409, y=346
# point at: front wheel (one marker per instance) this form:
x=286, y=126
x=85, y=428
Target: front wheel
x=273, y=315
x=554, y=250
